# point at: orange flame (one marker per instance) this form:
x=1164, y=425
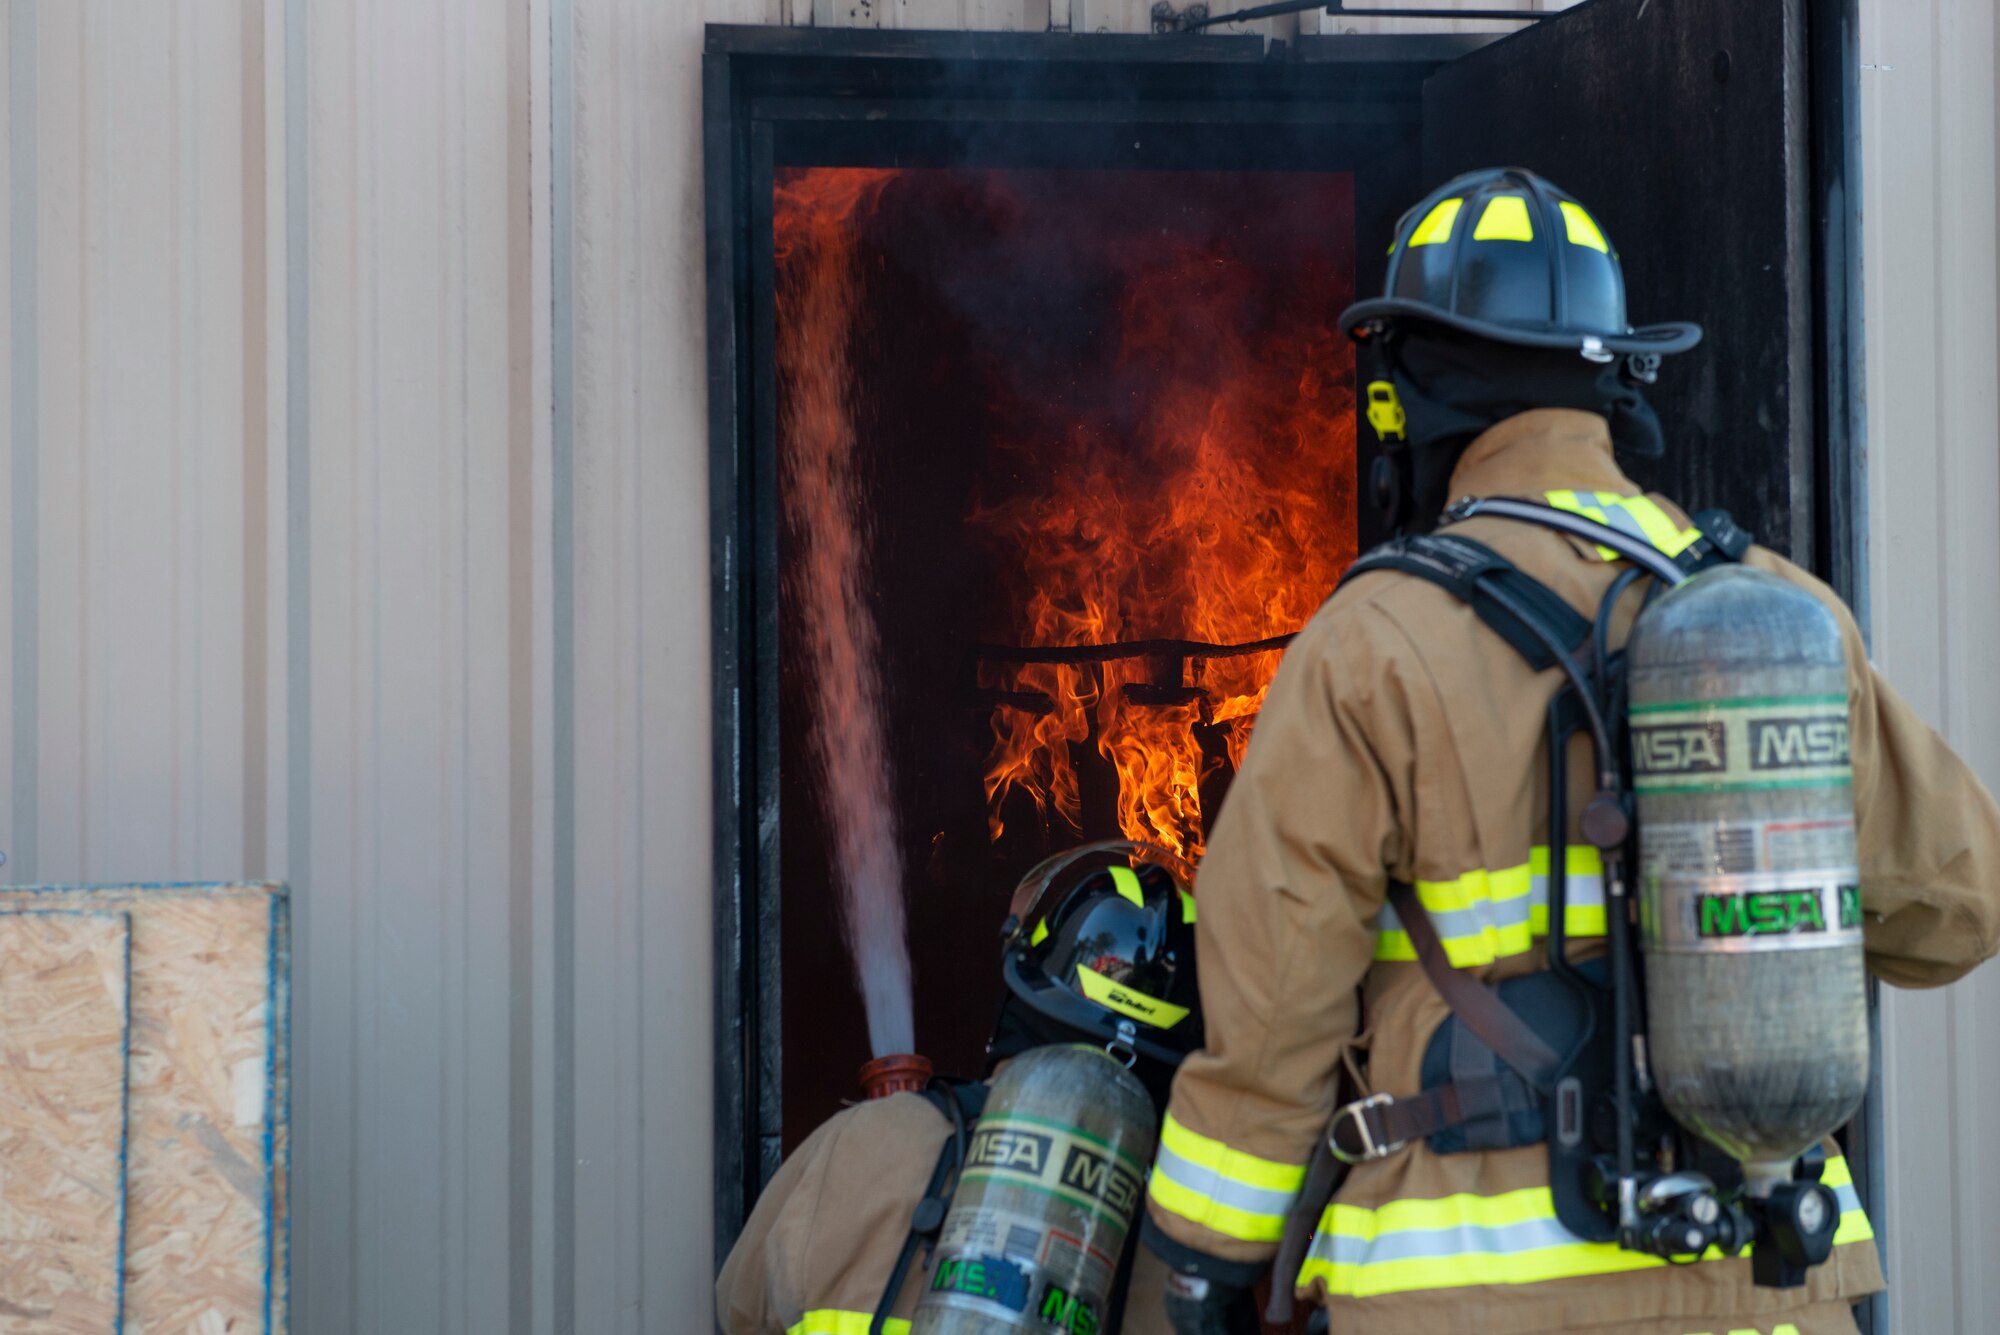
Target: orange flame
x=1220, y=509
x=1225, y=517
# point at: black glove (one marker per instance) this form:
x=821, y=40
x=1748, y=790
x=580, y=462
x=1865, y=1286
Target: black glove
x=1197, y=1306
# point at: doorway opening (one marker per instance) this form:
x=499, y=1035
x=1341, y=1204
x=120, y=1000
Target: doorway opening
x=1064, y=458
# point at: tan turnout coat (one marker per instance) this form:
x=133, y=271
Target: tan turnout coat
x=1402, y=738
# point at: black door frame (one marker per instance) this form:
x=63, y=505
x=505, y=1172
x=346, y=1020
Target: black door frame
x=891, y=93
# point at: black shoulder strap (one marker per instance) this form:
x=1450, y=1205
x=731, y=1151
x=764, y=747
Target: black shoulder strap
x=1462, y=568
x=961, y=1102
x=1478, y=1007
x=1722, y=540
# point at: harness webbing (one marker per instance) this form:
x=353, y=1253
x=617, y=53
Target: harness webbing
x=1531, y=618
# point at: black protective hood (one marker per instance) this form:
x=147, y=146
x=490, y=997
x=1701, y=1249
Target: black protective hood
x=1453, y=387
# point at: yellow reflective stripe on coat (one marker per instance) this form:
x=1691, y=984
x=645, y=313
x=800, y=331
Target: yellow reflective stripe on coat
x=833, y=1321
x=1225, y=1190
x=1482, y=916
x=1511, y=1238
x=1639, y=516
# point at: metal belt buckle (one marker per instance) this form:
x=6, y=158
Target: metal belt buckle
x=1370, y=1151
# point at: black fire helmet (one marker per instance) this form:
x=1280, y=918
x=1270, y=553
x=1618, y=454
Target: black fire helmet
x=1505, y=255
x=1100, y=941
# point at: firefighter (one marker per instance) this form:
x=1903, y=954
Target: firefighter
x=1095, y=954
x=1403, y=744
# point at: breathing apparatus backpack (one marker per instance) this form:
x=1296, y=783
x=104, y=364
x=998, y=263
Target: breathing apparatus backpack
x=1028, y=1222
x=1684, y=1121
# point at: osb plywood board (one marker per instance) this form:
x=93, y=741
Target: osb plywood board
x=208, y=1131
x=62, y=1121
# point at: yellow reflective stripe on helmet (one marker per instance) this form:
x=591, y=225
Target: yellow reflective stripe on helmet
x=1127, y=882
x=1582, y=228
x=1505, y=218
x=1040, y=934
x=1225, y=1190
x=1187, y=907
x=1466, y=1239
x=1114, y=995
x=1483, y=916
x=1435, y=229
x=832, y=1321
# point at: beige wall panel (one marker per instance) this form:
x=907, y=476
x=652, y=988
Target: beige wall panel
x=1934, y=480
x=643, y=1062
x=55, y=652
x=18, y=345
x=414, y=780
x=138, y=544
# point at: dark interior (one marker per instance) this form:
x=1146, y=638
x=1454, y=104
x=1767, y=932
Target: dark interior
x=1032, y=353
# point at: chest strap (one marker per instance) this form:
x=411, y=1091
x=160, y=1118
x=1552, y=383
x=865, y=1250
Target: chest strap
x=1477, y=1006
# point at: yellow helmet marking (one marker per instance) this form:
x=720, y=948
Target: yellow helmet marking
x=1116, y=996
x=1187, y=907
x=1505, y=219
x=1041, y=933
x=1127, y=882
x=1582, y=227
x=1435, y=229
x=1385, y=410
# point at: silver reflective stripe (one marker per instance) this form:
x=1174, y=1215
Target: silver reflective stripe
x=1580, y=892
x=1431, y=1244
x=1617, y=516
x=1462, y=1239
x=1457, y=923
x=1585, y=891
x=1223, y=1191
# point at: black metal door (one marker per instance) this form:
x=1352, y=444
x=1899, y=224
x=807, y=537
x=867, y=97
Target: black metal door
x=1682, y=125
x=1716, y=142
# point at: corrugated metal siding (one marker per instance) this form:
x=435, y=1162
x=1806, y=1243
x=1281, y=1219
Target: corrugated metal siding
x=348, y=544
x=1934, y=419
x=354, y=487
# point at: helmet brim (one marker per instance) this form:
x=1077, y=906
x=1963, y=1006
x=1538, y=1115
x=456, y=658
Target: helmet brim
x=1678, y=336
x=1087, y=1020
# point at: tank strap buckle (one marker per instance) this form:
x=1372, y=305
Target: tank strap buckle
x=1366, y=1127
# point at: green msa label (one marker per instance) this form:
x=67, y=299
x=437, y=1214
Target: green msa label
x=1068, y=1311
x=994, y=1279
x=1745, y=744
x=1774, y=912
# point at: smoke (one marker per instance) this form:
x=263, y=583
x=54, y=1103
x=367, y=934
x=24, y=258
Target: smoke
x=827, y=507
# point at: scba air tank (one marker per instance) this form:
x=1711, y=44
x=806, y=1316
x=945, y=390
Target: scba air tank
x=1054, y=1173
x=1757, y=1030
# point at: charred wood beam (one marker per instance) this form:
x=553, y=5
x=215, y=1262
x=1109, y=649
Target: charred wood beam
x=1074, y=654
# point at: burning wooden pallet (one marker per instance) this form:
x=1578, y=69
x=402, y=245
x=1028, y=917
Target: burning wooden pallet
x=144, y=1100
